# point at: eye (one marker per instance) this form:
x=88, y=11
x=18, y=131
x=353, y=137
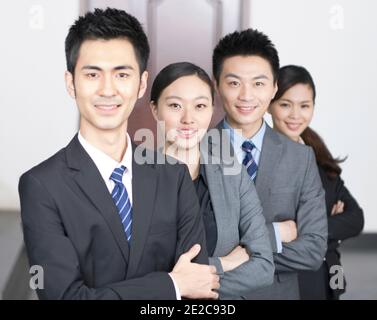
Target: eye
x=259, y=84
x=92, y=75
x=284, y=105
x=234, y=83
x=305, y=106
x=201, y=106
x=123, y=75
x=174, y=106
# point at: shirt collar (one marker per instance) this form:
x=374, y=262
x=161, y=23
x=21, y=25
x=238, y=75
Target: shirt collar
x=300, y=140
x=104, y=163
x=237, y=139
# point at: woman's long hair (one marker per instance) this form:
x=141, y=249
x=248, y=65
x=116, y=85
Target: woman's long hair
x=323, y=155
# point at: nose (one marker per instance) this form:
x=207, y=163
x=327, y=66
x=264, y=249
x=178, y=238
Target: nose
x=107, y=88
x=246, y=93
x=187, y=117
x=295, y=112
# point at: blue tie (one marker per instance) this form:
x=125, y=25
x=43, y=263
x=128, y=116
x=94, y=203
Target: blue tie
x=122, y=200
x=248, y=161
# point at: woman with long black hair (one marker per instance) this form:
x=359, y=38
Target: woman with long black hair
x=292, y=111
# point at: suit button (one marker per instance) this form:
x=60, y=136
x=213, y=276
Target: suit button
x=339, y=241
x=324, y=259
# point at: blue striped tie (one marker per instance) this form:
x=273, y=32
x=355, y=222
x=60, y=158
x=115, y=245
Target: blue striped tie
x=248, y=161
x=122, y=200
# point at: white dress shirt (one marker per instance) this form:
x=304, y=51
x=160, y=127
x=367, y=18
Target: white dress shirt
x=106, y=166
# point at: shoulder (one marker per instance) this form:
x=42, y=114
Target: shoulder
x=293, y=150
x=47, y=168
x=334, y=183
x=161, y=163
x=57, y=163
x=291, y=145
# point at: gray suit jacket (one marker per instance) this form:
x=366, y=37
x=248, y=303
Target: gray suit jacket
x=289, y=188
x=239, y=220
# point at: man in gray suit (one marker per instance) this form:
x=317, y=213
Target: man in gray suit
x=245, y=67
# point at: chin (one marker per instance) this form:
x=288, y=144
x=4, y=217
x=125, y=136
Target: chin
x=246, y=122
x=186, y=144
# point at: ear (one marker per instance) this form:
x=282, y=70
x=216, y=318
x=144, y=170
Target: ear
x=143, y=84
x=153, y=107
x=215, y=85
x=69, y=84
x=269, y=108
x=275, y=90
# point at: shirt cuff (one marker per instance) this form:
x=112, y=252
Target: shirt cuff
x=177, y=293
x=215, y=261
x=279, y=244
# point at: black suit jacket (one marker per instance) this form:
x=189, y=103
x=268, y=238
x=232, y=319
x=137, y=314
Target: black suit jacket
x=315, y=284
x=73, y=230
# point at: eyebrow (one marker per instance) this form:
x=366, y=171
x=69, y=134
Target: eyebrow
x=305, y=101
x=233, y=75
x=122, y=67
x=179, y=98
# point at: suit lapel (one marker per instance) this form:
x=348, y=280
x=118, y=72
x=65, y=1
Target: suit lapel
x=269, y=159
x=272, y=149
x=216, y=191
x=214, y=173
x=144, y=187
x=92, y=185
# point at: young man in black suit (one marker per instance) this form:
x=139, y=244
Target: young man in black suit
x=101, y=224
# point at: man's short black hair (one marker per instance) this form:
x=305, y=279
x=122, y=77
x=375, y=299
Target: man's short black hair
x=106, y=24
x=245, y=43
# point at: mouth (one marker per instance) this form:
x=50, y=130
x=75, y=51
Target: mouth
x=186, y=133
x=246, y=109
x=107, y=107
x=293, y=126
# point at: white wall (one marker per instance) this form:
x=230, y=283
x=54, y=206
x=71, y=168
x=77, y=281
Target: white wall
x=336, y=42
x=37, y=116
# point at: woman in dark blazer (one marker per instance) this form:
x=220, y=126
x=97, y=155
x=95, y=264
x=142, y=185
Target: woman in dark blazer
x=292, y=111
x=237, y=238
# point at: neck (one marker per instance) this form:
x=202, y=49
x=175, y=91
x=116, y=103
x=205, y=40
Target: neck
x=248, y=130
x=111, y=142
x=191, y=157
x=300, y=140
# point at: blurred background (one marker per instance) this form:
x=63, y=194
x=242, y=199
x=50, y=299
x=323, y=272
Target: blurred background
x=334, y=40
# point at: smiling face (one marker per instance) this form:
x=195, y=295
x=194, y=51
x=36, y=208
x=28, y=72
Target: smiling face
x=185, y=107
x=293, y=112
x=106, y=85
x=246, y=87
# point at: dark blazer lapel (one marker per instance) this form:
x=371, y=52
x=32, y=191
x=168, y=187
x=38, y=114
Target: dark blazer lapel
x=271, y=153
x=92, y=185
x=144, y=187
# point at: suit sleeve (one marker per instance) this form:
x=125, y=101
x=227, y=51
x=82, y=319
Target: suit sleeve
x=258, y=271
x=272, y=236
x=351, y=221
x=190, y=223
x=308, y=250
x=49, y=246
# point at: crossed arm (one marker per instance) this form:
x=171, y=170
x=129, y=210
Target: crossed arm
x=305, y=247
x=48, y=244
